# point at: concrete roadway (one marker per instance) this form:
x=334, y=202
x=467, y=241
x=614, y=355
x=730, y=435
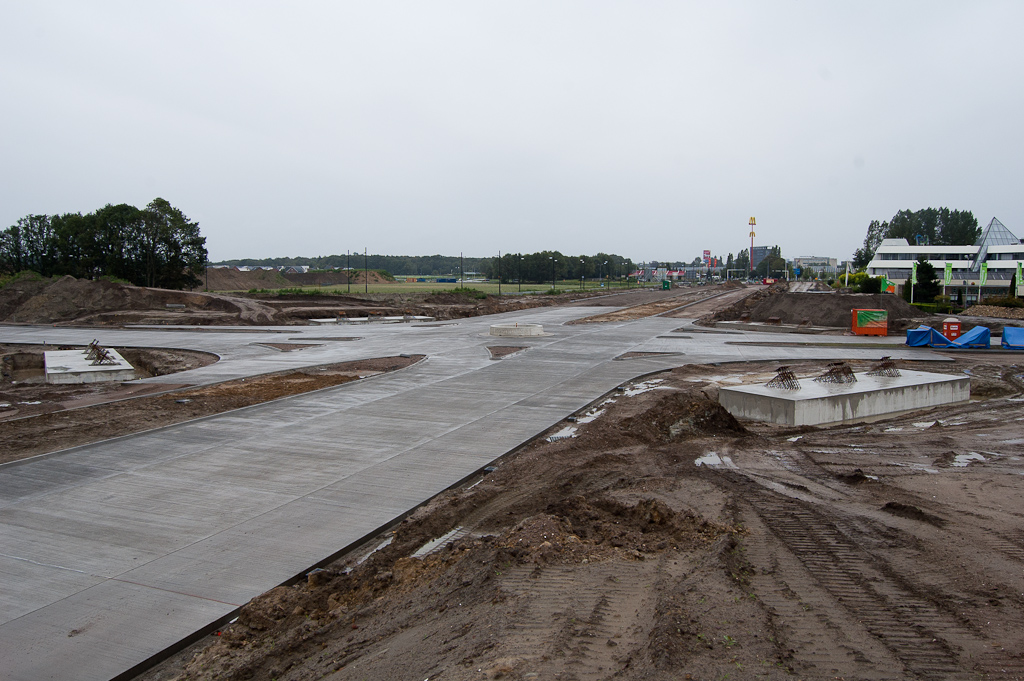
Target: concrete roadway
x=112, y=552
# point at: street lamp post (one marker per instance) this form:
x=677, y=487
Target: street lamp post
x=499, y=274
x=520, y=272
x=582, y=273
x=553, y=261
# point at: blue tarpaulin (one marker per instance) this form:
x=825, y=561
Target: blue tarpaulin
x=926, y=336
x=1013, y=338
x=978, y=337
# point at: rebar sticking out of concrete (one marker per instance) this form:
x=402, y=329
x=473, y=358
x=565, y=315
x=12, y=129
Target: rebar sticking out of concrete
x=785, y=379
x=837, y=372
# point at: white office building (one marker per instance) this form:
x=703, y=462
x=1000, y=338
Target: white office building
x=997, y=247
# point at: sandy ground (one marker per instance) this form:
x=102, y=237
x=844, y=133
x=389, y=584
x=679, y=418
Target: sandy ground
x=654, y=537
x=68, y=416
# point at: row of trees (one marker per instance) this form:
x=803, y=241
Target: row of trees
x=554, y=265
x=935, y=226
x=430, y=265
x=152, y=246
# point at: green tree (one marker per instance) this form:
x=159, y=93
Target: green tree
x=937, y=226
x=927, y=286
x=157, y=246
x=173, y=250
x=743, y=260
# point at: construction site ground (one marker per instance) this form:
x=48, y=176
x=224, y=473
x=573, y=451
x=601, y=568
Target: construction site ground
x=654, y=537
x=38, y=418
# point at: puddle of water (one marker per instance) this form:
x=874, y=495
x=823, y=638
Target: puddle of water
x=924, y=424
x=793, y=439
x=37, y=402
x=963, y=460
x=1018, y=441
x=871, y=477
x=894, y=429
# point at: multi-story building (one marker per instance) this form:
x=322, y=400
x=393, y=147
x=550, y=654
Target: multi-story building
x=815, y=262
x=758, y=253
x=997, y=248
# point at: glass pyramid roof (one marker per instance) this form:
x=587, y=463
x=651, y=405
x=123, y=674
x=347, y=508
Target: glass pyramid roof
x=996, y=234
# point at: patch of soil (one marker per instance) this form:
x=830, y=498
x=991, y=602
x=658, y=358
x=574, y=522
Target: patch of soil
x=69, y=427
x=290, y=347
x=499, y=351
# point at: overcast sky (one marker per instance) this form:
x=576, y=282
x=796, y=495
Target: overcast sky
x=649, y=129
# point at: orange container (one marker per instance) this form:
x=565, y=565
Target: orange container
x=951, y=328
x=870, y=322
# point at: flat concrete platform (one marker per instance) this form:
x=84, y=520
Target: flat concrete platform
x=74, y=366
x=816, y=403
x=112, y=552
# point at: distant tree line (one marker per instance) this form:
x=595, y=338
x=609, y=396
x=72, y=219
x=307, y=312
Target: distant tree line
x=934, y=226
x=408, y=265
x=152, y=246
x=544, y=266
x=533, y=267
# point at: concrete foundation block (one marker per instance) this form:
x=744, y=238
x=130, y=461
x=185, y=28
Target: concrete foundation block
x=819, y=404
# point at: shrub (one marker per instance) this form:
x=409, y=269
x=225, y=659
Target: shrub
x=24, y=275
x=470, y=292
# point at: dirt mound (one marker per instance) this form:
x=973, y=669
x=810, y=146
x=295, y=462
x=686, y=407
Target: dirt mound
x=818, y=309
x=69, y=299
x=18, y=291
x=230, y=279
x=327, y=278
x=995, y=311
x=682, y=415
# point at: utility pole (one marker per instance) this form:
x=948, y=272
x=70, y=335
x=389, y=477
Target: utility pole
x=366, y=271
x=348, y=269
x=750, y=259
x=499, y=274
x=462, y=272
